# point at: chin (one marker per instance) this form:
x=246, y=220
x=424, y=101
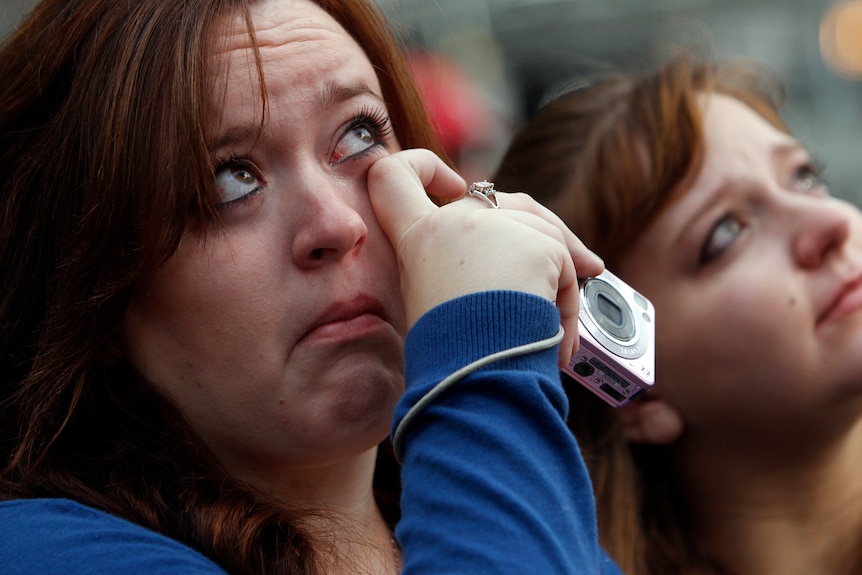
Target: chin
x=359, y=435
x=370, y=394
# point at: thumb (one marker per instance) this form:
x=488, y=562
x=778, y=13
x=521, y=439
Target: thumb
x=399, y=184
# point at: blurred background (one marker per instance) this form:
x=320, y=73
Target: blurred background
x=485, y=65
x=518, y=53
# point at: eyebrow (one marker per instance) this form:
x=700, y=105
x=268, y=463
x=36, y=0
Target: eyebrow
x=788, y=147
x=334, y=93
x=235, y=135
x=331, y=95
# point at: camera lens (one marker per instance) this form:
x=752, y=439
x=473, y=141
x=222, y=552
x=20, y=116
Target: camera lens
x=609, y=310
x=583, y=369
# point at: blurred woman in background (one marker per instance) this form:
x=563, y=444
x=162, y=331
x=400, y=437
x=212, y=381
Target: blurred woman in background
x=744, y=458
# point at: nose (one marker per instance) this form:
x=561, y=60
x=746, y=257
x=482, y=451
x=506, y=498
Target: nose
x=823, y=229
x=331, y=227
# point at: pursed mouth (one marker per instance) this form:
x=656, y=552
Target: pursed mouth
x=350, y=319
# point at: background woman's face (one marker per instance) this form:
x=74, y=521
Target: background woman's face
x=279, y=335
x=746, y=271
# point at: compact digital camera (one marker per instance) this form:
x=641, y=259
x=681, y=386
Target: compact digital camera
x=616, y=324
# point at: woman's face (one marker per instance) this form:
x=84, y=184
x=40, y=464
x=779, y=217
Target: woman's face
x=756, y=275
x=279, y=335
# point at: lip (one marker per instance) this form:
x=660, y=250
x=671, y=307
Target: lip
x=847, y=299
x=348, y=320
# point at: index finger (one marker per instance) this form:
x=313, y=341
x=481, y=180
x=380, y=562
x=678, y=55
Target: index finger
x=399, y=184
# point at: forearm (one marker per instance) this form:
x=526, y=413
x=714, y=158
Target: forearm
x=492, y=480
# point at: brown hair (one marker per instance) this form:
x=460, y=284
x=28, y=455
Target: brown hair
x=103, y=165
x=608, y=158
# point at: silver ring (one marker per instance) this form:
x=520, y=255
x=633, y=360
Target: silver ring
x=484, y=190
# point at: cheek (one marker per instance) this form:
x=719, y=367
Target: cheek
x=743, y=342
x=193, y=316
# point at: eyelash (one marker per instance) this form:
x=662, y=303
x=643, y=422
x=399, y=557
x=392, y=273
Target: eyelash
x=379, y=124
x=376, y=118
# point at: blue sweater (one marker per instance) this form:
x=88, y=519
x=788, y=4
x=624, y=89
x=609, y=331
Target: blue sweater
x=493, y=481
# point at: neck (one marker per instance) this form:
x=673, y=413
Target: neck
x=339, y=511
x=800, y=513
x=352, y=536
x=359, y=545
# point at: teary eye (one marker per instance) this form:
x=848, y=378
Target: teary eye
x=370, y=128
x=354, y=141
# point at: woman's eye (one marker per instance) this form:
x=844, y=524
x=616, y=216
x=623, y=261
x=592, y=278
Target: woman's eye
x=354, y=141
x=807, y=179
x=722, y=235
x=369, y=129
x=236, y=181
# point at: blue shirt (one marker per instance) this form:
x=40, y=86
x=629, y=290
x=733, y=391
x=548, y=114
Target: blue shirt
x=61, y=537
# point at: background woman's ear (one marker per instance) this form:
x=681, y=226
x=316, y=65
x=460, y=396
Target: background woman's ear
x=650, y=419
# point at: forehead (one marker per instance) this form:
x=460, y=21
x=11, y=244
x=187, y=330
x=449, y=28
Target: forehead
x=279, y=22
x=300, y=46
x=740, y=147
x=737, y=139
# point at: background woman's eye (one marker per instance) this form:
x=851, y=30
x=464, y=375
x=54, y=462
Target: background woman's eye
x=722, y=235
x=807, y=179
x=236, y=181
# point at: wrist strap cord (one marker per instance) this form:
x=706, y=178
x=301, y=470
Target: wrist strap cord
x=452, y=379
